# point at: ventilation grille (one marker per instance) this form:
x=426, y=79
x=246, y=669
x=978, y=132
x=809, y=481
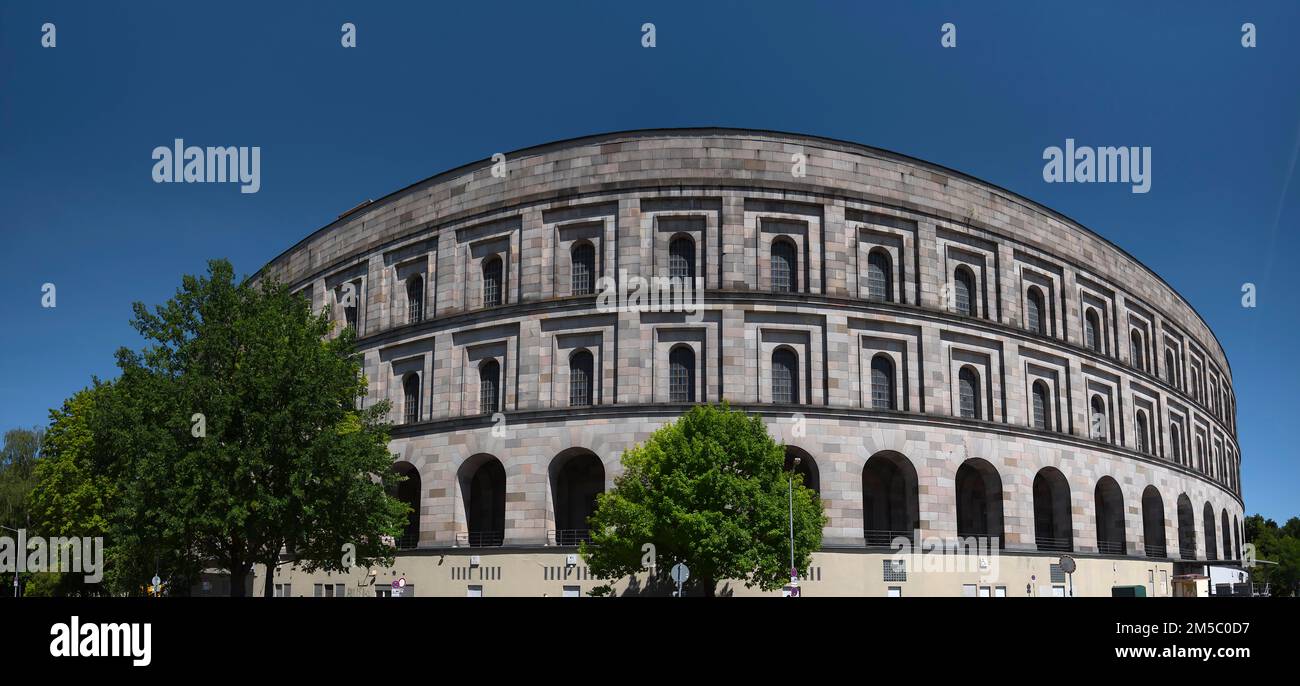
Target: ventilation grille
x=565, y=573
x=894, y=570
x=1058, y=576
x=469, y=573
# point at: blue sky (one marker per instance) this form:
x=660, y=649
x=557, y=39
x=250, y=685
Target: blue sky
x=437, y=85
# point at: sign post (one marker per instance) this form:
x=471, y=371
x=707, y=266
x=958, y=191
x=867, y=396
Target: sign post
x=1068, y=566
x=680, y=573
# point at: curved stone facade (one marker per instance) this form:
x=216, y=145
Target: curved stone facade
x=872, y=307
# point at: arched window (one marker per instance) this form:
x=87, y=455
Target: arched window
x=968, y=391
x=1194, y=380
x=414, y=299
x=891, y=501
x=979, y=500
x=1176, y=438
x=1053, y=530
x=580, y=379
x=1110, y=517
x=681, y=268
x=882, y=382
x=880, y=276
x=1186, y=529
x=785, y=376
x=964, y=294
x=1153, y=522
x=1092, y=330
x=798, y=460
x=1211, y=540
x=1227, y=536
x=681, y=375
x=483, y=481
x=577, y=480
x=1035, y=309
x=681, y=259
x=1098, y=424
x=1171, y=368
x=1137, y=351
x=1143, y=435
x=408, y=491
x=1236, y=537
x=583, y=259
x=1200, y=454
x=492, y=287
x=785, y=266
x=411, y=402
x=1040, y=405
x=349, y=295
x=489, y=387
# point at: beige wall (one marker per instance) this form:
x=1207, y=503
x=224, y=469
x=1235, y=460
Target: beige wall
x=834, y=573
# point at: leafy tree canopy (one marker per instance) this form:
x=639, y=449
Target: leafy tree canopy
x=708, y=490
x=1277, y=544
x=232, y=435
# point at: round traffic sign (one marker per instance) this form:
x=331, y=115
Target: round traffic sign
x=1067, y=564
x=401, y=583
x=680, y=573
x=156, y=580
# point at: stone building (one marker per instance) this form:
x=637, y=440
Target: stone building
x=947, y=359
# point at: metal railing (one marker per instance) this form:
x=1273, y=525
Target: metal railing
x=879, y=538
x=480, y=539
x=1112, y=548
x=1055, y=545
x=407, y=541
x=568, y=537
x=1154, y=550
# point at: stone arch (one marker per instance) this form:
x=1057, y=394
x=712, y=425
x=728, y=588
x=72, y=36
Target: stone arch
x=979, y=501
x=1153, y=523
x=890, y=501
x=482, y=483
x=1053, y=525
x=577, y=478
x=1108, y=501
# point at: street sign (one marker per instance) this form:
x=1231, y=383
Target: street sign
x=395, y=586
x=401, y=583
x=1067, y=566
x=680, y=573
x=156, y=580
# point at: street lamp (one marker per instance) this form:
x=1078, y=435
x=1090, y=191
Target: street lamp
x=17, y=552
x=793, y=466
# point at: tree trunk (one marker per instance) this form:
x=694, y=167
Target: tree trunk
x=268, y=588
x=709, y=587
x=238, y=575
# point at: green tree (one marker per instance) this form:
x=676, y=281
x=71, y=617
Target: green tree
x=708, y=490
x=244, y=434
x=18, y=459
x=19, y=456
x=1279, y=550
x=82, y=482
